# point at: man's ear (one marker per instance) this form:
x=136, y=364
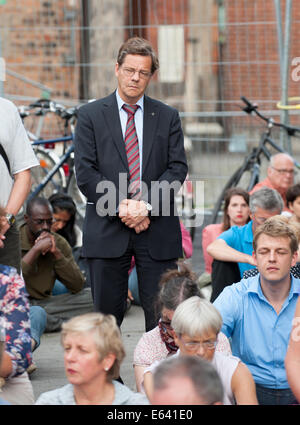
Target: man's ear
x=116, y=69
x=294, y=259
x=269, y=171
x=26, y=218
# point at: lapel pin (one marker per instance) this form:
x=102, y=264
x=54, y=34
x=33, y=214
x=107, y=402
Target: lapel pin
x=153, y=113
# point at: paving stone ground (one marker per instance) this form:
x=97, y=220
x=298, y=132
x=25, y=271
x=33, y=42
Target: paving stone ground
x=49, y=356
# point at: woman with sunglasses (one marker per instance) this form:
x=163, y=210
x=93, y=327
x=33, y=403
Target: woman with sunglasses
x=196, y=325
x=157, y=344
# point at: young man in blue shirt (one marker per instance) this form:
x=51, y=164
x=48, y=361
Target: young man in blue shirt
x=258, y=312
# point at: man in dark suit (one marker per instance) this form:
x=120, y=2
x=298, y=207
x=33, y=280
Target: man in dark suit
x=130, y=161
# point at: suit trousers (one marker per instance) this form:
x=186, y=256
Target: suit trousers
x=109, y=280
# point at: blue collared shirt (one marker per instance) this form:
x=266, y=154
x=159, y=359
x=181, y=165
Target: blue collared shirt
x=241, y=239
x=138, y=120
x=259, y=335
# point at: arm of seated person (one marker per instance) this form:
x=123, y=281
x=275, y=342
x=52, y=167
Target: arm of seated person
x=42, y=245
x=66, y=269
x=138, y=373
x=220, y=250
x=148, y=384
x=292, y=359
x=243, y=385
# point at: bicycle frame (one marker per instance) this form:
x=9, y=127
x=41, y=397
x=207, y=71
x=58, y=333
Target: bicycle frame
x=54, y=170
x=252, y=161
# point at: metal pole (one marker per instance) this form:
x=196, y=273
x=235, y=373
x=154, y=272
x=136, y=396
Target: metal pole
x=286, y=142
x=279, y=33
x=1, y=82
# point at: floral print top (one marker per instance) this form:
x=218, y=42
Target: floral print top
x=14, y=317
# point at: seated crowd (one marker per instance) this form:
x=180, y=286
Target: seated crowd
x=241, y=347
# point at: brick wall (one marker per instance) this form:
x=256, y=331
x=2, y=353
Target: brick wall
x=37, y=43
x=251, y=41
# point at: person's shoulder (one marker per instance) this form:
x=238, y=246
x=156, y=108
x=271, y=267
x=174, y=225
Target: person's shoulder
x=239, y=289
x=125, y=396
x=7, y=105
x=61, y=241
x=158, y=103
x=259, y=185
x=60, y=396
x=150, y=339
x=96, y=104
x=150, y=348
x=224, y=361
x=213, y=228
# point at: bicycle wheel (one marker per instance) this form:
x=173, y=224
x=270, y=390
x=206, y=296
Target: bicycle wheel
x=77, y=196
x=232, y=182
x=47, y=161
x=245, y=177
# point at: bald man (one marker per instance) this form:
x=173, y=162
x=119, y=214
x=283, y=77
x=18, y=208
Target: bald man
x=280, y=176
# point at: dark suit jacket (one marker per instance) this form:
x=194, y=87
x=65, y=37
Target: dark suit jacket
x=100, y=157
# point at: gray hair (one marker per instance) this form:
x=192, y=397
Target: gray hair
x=200, y=372
x=196, y=316
x=266, y=199
x=280, y=155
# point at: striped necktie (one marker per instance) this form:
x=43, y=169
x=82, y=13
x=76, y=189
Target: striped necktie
x=132, y=152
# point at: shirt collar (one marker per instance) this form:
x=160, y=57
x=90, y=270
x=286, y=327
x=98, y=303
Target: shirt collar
x=121, y=102
x=254, y=286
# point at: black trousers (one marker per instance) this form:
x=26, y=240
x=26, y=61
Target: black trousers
x=109, y=280
x=10, y=255
x=224, y=273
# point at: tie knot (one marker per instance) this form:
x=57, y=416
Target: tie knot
x=130, y=109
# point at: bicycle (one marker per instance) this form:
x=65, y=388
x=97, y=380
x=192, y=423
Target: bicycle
x=252, y=161
x=56, y=173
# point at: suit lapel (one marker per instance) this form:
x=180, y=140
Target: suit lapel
x=112, y=118
x=151, y=113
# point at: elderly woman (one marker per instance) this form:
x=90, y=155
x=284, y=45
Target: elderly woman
x=196, y=324
x=157, y=344
x=93, y=352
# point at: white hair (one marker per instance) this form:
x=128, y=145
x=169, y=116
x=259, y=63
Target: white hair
x=280, y=155
x=196, y=316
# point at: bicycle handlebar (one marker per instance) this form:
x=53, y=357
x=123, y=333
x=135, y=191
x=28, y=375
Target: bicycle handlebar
x=47, y=105
x=253, y=108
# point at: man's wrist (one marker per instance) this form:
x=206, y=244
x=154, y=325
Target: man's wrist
x=57, y=254
x=11, y=219
x=148, y=206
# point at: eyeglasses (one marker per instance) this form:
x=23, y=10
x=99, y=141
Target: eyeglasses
x=129, y=72
x=40, y=221
x=260, y=220
x=193, y=346
x=284, y=171
x=166, y=324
